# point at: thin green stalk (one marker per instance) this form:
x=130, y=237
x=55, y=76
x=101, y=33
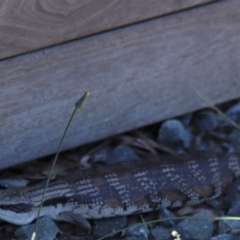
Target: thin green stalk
x=79, y=104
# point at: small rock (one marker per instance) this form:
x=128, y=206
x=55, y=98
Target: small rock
x=229, y=147
x=47, y=230
x=222, y=228
x=173, y=135
x=234, y=112
x=228, y=225
x=196, y=229
x=234, y=210
x=68, y=237
x=121, y=153
x=164, y=213
x=225, y=236
x=234, y=138
x=160, y=233
x=101, y=155
x=138, y=231
x=207, y=120
x=203, y=145
x=109, y=225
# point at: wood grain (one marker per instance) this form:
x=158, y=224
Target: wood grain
x=29, y=25
x=137, y=75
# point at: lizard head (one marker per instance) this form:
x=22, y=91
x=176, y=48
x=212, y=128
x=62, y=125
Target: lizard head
x=15, y=207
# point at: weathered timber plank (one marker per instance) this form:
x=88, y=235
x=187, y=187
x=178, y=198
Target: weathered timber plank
x=29, y=25
x=136, y=75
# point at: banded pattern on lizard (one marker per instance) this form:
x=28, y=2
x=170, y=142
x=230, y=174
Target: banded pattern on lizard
x=125, y=188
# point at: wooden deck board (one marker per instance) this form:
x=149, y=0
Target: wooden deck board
x=29, y=25
x=137, y=75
